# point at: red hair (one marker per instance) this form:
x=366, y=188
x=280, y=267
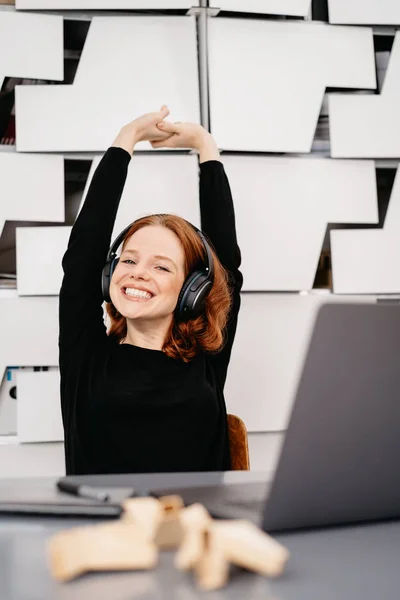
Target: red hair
x=204, y=333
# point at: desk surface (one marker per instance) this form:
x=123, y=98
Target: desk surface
x=348, y=563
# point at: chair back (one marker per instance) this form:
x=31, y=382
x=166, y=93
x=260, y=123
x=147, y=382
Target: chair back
x=238, y=444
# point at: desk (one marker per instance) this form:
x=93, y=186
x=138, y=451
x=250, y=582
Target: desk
x=352, y=563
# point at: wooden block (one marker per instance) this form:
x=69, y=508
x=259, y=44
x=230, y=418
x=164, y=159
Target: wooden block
x=208, y=547
x=170, y=532
x=114, y=546
x=157, y=518
x=171, y=504
x=145, y=513
x=245, y=545
x=195, y=521
x=212, y=568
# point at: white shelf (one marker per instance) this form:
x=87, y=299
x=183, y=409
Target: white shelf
x=323, y=151
x=87, y=15
x=9, y=440
x=6, y=148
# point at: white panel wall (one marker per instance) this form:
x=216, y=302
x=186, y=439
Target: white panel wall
x=29, y=332
x=38, y=407
x=261, y=103
x=369, y=126
x=267, y=357
x=32, y=188
x=295, y=8
x=39, y=255
x=364, y=12
x=267, y=83
x=159, y=184
x=31, y=46
x=283, y=206
x=151, y=187
x=277, y=327
x=32, y=460
x=367, y=261
x=294, y=200
x=278, y=7
x=104, y=4
x=153, y=62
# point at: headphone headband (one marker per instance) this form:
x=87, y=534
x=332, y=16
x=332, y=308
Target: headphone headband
x=209, y=262
x=112, y=253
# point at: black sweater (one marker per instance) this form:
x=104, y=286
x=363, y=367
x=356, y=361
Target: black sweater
x=128, y=409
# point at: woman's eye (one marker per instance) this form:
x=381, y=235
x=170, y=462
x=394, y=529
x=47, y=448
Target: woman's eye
x=163, y=268
x=129, y=261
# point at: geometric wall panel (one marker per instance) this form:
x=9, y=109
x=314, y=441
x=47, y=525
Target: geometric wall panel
x=367, y=261
x=32, y=188
x=175, y=188
x=266, y=92
x=294, y=8
x=283, y=206
x=47, y=460
x=39, y=254
x=39, y=271
x=267, y=82
x=29, y=332
x=153, y=62
x=368, y=126
x=363, y=12
x=38, y=407
x=105, y=4
x=261, y=384
x=31, y=46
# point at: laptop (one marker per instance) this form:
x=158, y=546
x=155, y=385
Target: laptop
x=340, y=461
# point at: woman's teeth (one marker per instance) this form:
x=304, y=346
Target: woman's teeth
x=137, y=293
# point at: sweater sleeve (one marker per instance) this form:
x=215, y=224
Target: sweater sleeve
x=218, y=223
x=80, y=304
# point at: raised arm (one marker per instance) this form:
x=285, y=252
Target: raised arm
x=218, y=223
x=216, y=207
x=217, y=216
x=80, y=312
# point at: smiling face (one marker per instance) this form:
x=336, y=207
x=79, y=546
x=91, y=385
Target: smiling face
x=149, y=275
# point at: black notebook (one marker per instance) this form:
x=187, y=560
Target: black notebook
x=41, y=497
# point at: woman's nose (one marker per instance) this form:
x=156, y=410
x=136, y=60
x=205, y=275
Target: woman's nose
x=139, y=273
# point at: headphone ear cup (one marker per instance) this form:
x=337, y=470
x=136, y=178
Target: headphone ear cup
x=192, y=296
x=181, y=306
x=106, y=276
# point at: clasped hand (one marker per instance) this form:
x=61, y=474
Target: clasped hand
x=153, y=128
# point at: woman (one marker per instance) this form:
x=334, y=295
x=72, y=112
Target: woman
x=147, y=396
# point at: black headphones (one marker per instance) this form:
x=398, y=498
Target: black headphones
x=196, y=286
